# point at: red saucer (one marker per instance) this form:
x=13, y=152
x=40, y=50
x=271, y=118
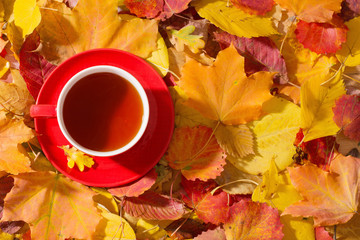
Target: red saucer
x=134, y=163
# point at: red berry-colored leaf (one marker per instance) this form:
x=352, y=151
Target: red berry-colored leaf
x=209, y=208
x=196, y=152
x=322, y=37
x=136, y=188
x=319, y=151
x=250, y=220
x=33, y=67
x=153, y=206
x=261, y=54
x=347, y=115
x=258, y=7
x=158, y=9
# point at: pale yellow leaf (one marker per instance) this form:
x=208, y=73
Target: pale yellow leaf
x=268, y=186
x=274, y=137
x=297, y=228
x=151, y=230
x=160, y=57
x=106, y=200
x=349, y=54
x=317, y=101
x=237, y=140
x=184, y=37
x=233, y=20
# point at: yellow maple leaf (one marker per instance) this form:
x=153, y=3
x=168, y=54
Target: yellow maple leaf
x=54, y=206
x=93, y=24
x=76, y=156
x=222, y=92
x=274, y=134
x=234, y=20
x=349, y=54
x=27, y=15
x=12, y=133
x=183, y=37
x=317, y=101
x=312, y=10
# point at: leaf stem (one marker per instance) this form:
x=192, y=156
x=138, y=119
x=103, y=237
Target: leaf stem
x=236, y=181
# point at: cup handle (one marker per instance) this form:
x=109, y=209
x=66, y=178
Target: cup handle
x=43, y=111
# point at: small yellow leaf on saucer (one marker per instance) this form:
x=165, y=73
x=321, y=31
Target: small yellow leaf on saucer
x=76, y=156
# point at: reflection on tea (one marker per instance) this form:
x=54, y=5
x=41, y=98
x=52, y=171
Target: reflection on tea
x=102, y=112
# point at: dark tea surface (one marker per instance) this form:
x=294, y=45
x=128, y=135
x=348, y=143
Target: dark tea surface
x=102, y=112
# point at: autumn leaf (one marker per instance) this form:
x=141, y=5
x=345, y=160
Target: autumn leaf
x=322, y=234
x=346, y=115
x=154, y=206
x=158, y=9
x=317, y=101
x=196, y=153
x=12, y=133
x=234, y=181
x=234, y=20
x=258, y=7
x=350, y=9
x=347, y=231
x=331, y=198
x=187, y=228
x=159, y=58
x=65, y=32
x=33, y=67
x=53, y=205
x=297, y=228
x=26, y=15
x=75, y=156
x=4, y=66
x=222, y=92
x=249, y=220
x=113, y=226
x=322, y=38
x=215, y=234
x=151, y=229
x=349, y=54
x=312, y=10
x=261, y=54
x=274, y=135
x=209, y=208
x=136, y=188
x=185, y=37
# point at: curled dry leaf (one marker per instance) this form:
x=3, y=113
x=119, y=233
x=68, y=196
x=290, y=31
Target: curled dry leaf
x=196, y=153
x=222, y=92
x=331, y=198
x=136, y=188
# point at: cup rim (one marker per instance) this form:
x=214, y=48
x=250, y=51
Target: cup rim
x=96, y=69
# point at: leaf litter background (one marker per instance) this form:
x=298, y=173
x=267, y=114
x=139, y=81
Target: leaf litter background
x=267, y=131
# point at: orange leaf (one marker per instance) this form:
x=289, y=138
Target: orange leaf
x=331, y=198
x=249, y=220
x=54, y=206
x=92, y=24
x=12, y=133
x=222, y=91
x=312, y=10
x=196, y=152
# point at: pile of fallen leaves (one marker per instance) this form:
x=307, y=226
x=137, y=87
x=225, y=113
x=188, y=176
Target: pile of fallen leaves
x=267, y=127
